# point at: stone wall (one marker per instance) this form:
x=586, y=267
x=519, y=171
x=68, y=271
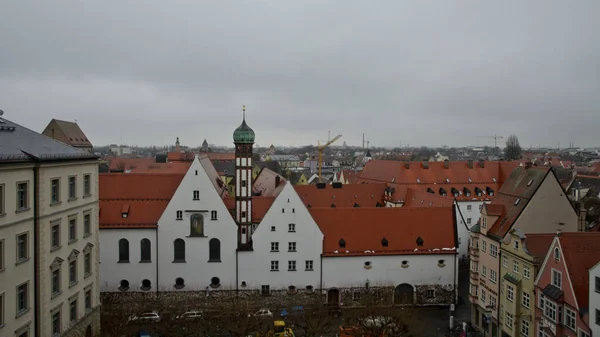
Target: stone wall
x=91, y=322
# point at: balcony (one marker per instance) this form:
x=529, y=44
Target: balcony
x=473, y=298
x=474, y=276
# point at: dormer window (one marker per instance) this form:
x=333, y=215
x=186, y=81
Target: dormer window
x=342, y=243
x=384, y=242
x=196, y=195
x=356, y=205
x=443, y=192
x=489, y=191
x=429, y=190
x=466, y=192
x=516, y=244
x=478, y=191
x=419, y=241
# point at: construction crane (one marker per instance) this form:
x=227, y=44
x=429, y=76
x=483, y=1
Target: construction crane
x=320, y=148
x=493, y=137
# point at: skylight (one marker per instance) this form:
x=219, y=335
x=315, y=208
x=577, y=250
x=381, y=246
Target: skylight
x=517, y=202
x=418, y=180
x=530, y=182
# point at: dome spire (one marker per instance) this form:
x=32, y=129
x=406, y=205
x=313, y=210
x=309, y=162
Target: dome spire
x=244, y=112
x=243, y=134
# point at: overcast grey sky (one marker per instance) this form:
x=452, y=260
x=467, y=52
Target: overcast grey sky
x=412, y=72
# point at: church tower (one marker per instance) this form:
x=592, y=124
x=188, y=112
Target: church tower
x=243, y=138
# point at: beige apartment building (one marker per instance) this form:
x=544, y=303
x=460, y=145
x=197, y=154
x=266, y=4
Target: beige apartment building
x=48, y=236
x=531, y=200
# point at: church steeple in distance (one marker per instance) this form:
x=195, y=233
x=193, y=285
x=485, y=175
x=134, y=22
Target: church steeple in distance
x=243, y=139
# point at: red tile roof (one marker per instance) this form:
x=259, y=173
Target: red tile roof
x=514, y=196
x=419, y=198
x=260, y=206
x=364, y=195
x=146, y=186
x=363, y=230
x=494, y=209
x=538, y=244
x=189, y=156
x=143, y=197
x=351, y=176
x=581, y=251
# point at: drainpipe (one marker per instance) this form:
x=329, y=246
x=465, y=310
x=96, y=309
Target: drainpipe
x=237, y=271
x=321, y=274
x=156, y=259
x=36, y=254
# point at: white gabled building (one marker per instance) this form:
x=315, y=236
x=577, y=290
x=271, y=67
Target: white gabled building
x=287, y=248
x=196, y=234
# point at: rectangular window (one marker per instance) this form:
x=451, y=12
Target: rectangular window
x=243, y=183
x=597, y=287
x=484, y=246
x=274, y=265
x=509, y=320
x=482, y=297
x=56, y=281
x=87, y=263
x=309, y=264
x=72, y=272
x=2, y=253
x=179, y=215
x=291, y=265
x=524, y=328
x=213, y=215
x=88, y=299
x=56, y=324
x=570, y=321
x=72, y=230
x=356, y=295
x=22, y=196
x=55, y=191
x=468, y=207
x=291, y=246
x=291, y=227
x=598, y=316
x=516, y=244
x=493, y=276
x=55, y=236
x=430, y=293
x=468, y=221
x=556, y=278
x=22, y=298
x=73, y=311
x=550, y=310
x=87, y=224
x=72, y=188
x=196, y=195
x=492, y=301
x=583, y=334
x=2, y=211
x=504, y=262
x=510, y=293
x=2, y=319
x=265, y=289
x=516, y=267
x=483, y=270
x=526, y=272
x=272, y=228
x=87, y=185
x=22, y=247
x=525, y=300
x=493, y=250
x=274, y=246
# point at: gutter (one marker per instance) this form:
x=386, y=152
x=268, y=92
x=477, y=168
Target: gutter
x=36, y=254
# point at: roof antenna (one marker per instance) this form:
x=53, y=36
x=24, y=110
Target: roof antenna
x=244, y=111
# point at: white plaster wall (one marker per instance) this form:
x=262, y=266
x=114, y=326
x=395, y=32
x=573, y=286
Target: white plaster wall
x=112, y=272
x=255, y=266
x=196, y=271
x=60, y=213
x=12, y=224
x=463, y=233
x=594, y=300
x=350, y=271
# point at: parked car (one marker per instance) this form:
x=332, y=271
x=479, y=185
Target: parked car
x=146, y=317
x=266, y=313
x=194, y=314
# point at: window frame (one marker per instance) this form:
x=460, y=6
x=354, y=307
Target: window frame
x=526, y=272
x=516, y=267
x=73, y=272
x=274, y=265
x=72, y=225
x=570, y=316
x=525, y=299
x=550, y=308
x=292, y=228
x=179, y=250
x=27, y=303
x=73, y=306
x=510, y=293
x=145, y=252
x=213, y=215
x=554, y=280
x=87, y=223
x=72, y=187
x=524, y=327
x=493, y=250
x=55, y=195
x=274, y=246
x=505, y=261
x=56, y=318
x=2, y=310
x=19, y=258
x=88, y=305
x=196, y=195
x=87, y=185
x=309, y=265
x=123, y=251
x=58, y=284
x=25, y=198
x=493, y=276
x=509, y=320
x=87, y=264
x=292, y=246
x=214, y=250
x=292, y=265
x=55, y=242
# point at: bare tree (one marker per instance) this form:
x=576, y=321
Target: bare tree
x=513, y=149
x=309, y=314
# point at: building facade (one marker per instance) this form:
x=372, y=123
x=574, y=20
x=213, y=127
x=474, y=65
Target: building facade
x=531, y=200
x=49, y=277
x=594, y=291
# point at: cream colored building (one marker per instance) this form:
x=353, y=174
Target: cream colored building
x=532, y=200
x=48, y=236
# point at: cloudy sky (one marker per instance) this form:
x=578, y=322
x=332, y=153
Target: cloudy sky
x=402, y=72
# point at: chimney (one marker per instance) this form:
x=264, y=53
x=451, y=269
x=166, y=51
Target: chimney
x=581, y=225
x=277, y=180
x=481, y=163
x=425, y=164
x=446, y=164
x=528, y=164
x=470, y=163
x=407, y=165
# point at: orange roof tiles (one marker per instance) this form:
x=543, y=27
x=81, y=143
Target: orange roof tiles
x=581, y=252
x=538, y=244
x=351, y=176
x=494, y=209
x=189, y=156
x=363, y=230
x=144, y=186
x=140, y=213
x=418, y=198
x=364, y=195
x=260, y=206
x=147, y=165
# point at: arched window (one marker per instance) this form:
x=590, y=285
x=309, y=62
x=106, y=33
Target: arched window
x=197, y=225
x=145, y=250
x=123, y=250
x=179, y=250
x=214, y=250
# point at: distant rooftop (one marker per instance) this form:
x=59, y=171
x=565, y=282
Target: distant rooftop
x=18, y=143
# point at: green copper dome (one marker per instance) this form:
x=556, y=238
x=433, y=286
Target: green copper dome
x=243, y=134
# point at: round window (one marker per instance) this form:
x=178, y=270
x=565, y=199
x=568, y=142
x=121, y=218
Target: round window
x=123, y=285
x=309, y=288
x=146, y=285
x=215, y=282
x=243, y=284
x=441, y=261
x=367, y=263
x=179, y=283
